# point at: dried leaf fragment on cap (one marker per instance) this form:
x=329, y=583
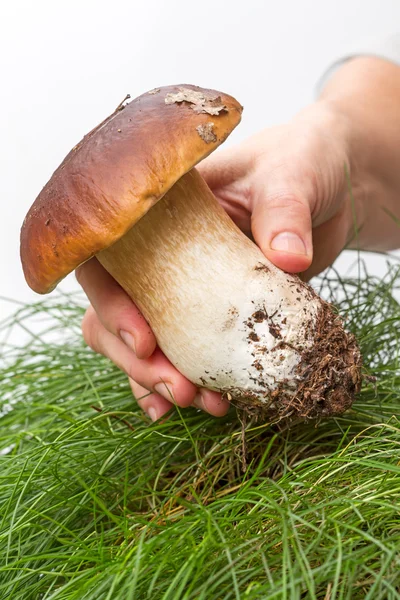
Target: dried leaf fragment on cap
x=199, y=102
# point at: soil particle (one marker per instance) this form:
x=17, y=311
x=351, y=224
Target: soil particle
x=253, y=336
x=259, y=316
x=284, y=344
x=262, y=267
x=274, y=330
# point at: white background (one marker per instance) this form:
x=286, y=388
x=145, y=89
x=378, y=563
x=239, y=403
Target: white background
x=65, y=65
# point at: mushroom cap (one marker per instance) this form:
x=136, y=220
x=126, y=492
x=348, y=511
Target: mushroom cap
x=116, y=173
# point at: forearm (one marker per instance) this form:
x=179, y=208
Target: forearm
x=367, y=92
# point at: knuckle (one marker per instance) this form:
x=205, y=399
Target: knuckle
x=291, y=184
x=285, y=200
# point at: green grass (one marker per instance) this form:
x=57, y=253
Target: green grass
x=96, y=503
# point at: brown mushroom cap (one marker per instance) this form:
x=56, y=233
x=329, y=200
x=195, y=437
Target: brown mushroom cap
x=117, y=173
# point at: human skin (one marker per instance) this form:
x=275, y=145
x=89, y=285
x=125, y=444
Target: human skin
x=288, y=188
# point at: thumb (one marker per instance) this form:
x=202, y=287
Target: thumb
x=281, y=225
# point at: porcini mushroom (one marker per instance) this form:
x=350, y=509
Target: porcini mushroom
x=224, y=315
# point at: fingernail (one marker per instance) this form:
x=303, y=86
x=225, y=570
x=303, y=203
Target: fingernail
x=199, y=402
x=288, y=242
x=151, y=411
x=128, y=339
x=165, y=390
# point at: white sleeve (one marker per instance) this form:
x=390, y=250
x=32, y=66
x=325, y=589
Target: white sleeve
x=387, y=48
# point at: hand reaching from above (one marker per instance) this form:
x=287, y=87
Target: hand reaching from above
x=287, y=188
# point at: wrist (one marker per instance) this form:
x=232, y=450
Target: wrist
x=358, y=181
x=366, y=92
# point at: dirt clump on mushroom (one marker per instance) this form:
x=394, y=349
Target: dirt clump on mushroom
x=328, y=377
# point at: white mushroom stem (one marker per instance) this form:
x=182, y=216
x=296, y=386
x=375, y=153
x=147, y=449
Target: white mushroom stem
x=221, y=312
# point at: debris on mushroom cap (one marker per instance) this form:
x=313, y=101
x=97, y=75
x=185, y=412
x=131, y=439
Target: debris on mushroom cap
x=206, y=132
x=198, y=101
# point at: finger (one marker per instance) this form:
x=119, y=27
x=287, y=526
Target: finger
x=281, y=223
x=211, y=402
x=154, y=405
x=155, y=373
x=115, y=309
